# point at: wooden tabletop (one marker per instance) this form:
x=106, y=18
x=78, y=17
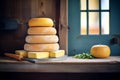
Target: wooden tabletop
x=70, y=64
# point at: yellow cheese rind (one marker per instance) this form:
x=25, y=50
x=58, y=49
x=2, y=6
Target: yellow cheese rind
x=38, y=55
x=42, y=30
x=100, y=51
x=41, y=38
x=47, y=22
x=58, y=53
x=41, y=47
x=21, y=53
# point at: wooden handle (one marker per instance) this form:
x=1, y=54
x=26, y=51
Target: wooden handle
x=14, y=56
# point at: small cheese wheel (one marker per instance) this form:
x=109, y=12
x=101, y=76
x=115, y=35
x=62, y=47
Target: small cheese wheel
x=21, y=53
x=58, y=53
x=42, y=39
x=38, y=55
x=41, y=47
x=100, y=51
x=42, y=30
x=40, y=22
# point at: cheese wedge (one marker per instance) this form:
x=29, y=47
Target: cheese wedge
x=42, y=30
x=41, y=38
x=47, y=22
x=21, y=53
x=58, y=53
x=38, y=55
x=41, y=47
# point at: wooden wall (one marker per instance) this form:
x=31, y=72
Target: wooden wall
x=23, y=10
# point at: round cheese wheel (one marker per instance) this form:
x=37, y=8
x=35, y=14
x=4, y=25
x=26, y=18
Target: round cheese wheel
x=42, y=39
x=100, y=51
x=42, y=30
x=41, y=47
x=40, y=22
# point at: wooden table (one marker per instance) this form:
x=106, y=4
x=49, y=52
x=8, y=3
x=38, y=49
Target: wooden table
x=68, y=69
x=111, y=64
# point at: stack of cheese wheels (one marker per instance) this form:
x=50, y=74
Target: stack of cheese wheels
x=41, y=38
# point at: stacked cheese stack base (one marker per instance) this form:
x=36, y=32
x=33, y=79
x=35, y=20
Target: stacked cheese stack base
x=42, y=41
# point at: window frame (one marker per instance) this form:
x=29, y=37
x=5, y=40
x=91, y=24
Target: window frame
x=87, y=17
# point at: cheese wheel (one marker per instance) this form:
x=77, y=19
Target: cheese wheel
x=40, y=22
x=42, y=30
x=42, y=39
x=100, y=51
x=58, y=53
x=38, y=55
x=41, y=47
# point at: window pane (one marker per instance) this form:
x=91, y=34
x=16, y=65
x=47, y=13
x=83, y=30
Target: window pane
x=93, y=23
x=105, y=4
x=83, y=23
x=93, y=4
x=105, y=22
x=83, y=4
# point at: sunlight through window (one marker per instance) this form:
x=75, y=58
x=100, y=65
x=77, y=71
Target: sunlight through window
x=94, y=17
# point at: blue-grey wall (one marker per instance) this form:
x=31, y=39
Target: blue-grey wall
x=78, y=43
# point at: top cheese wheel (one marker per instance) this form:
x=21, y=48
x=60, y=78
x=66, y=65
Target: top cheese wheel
x=41, y=22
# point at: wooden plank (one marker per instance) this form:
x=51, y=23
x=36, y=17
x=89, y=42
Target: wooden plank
x=76, y=68
x=63, y=25
x=70, y=60
x=34, y=8
x=43, y=8
x=111, y=64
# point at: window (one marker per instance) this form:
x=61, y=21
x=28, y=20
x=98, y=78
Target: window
x=94, y=17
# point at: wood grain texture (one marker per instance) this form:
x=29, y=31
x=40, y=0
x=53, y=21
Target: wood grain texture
x=23, y=10
x=63, y=25
x=70, y=64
